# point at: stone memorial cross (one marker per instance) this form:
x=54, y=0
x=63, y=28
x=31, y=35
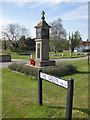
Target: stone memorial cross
x=42, y=43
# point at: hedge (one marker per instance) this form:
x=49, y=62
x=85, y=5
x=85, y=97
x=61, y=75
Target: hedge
x=86, y=50
x=62, y=70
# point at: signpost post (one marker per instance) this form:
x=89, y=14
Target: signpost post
x=61, y=82
x=39, y=88
x=88, y=57
x=69, y=99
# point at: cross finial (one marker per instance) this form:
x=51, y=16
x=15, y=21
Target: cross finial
x=42, y=15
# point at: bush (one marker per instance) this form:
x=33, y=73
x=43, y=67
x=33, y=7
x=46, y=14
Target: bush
x=61, y=70
x=56, y=71
x=86, y=50
x=24, y=69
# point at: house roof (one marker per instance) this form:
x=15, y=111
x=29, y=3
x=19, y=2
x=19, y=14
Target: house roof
x=84, y=43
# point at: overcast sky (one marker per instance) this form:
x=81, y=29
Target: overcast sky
x=74, y=15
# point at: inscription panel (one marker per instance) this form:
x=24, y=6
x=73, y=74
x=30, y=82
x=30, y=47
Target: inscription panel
x=38, y=50
x=45, y=33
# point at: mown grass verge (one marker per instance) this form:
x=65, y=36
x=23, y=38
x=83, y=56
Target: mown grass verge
x=20, y=95
x=15, y=55
x=25, y=55
x=58, y=55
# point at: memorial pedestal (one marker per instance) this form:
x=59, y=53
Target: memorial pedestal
x=42, y=44
x=44, y=63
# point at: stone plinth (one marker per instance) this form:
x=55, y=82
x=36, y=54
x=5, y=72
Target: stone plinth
x=39, y=67
x=5, y=58
x=44, y=63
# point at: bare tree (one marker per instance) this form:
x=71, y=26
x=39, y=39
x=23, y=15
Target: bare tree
x=57, y=35
x=13, y=32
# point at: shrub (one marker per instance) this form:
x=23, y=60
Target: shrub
x=86, y=50
x=13, y=66
x=56, y=71
x=61, y=70
x=24, y=69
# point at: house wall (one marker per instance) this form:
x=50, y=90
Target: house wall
x=81, y=48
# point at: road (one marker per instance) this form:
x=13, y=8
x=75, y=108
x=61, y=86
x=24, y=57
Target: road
x=70, y=59
x=6, y=64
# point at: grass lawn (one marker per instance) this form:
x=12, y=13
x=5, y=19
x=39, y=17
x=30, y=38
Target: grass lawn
x=15, y=55
x=20, y=95
x=3, y=54
x=65, y=55
x=73, y=56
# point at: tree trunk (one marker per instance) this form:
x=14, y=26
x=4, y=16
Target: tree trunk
x=5, y=47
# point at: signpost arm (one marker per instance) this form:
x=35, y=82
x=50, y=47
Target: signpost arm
x=69, y=99
x=39, y=88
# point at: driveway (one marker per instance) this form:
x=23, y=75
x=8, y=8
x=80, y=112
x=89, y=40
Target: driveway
x=70, y=59
x=6, y=64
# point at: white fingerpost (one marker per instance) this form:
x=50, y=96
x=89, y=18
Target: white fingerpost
x=62, y=55
x=31, y=56
x=52, y=55
x=76, y=53
x=70, y=54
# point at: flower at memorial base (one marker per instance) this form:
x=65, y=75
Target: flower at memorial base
x=32, y=62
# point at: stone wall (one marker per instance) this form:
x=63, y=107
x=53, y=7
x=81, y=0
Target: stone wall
x=5, y=58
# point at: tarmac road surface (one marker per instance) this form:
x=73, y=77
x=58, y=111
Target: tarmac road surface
x=18, y=61
x=70, y=59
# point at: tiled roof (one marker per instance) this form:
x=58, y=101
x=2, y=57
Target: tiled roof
x=84, y=43
x=42, y=24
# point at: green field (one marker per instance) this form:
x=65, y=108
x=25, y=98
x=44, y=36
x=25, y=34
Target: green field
x=3, y=54
x=15, y=55
x=20, y=95
x=65, y=55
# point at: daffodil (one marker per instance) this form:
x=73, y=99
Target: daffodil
x=82, y=113
x=3, y=115
x=48, y=102
x=77, y=111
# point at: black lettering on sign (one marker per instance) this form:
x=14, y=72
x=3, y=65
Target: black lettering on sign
x=58, y=81
x=44, y=76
